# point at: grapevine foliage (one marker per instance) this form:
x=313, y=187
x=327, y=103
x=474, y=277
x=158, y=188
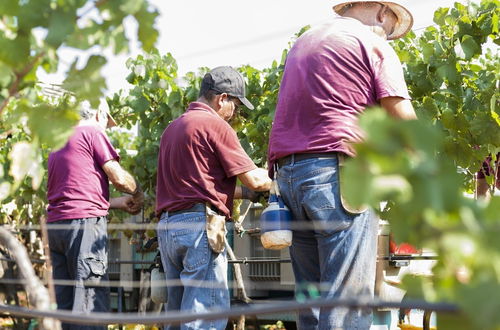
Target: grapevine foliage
x=32, y=122
x=421, y=168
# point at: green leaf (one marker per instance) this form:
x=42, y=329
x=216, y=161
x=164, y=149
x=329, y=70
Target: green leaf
x=453, y=321
x=356, y=174
x=15, y=52
x=131, y=6
x=470, y=47
x=52, y=126
x=494, y=23
x=428, y=51
x=9, y=7
x=34, y=13
x=472, y=297
x=147, y=33
x=440, y=16
x=448, y=72
x=429, y=105
x=448, y=119
x=87, y=83
x=140, y=104
x=492, y=210
x=61, y=25
x=25, y=161
x=87, y=37
x=6, y=75
x=119, y=40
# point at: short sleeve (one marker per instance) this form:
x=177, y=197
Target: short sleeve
x=388, y=73
x=103, y=149
x=230, y=153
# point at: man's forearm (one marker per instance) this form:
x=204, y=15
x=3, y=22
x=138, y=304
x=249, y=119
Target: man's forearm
x=238, y=193
x=126, y=183
x=115, y=203
x=257, y=179
x=398, y=107
x=242, y=192
x=121, y=179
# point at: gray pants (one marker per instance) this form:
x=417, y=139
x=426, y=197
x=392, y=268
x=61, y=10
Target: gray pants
x=79, y=252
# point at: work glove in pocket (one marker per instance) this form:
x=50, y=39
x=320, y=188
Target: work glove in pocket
x=216, y=231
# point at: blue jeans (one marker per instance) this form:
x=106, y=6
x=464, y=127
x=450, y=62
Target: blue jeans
x=332, y=251
x=79, y=254
x=196, y=276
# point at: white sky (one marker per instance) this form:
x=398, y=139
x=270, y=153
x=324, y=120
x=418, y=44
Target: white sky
x=233, y=32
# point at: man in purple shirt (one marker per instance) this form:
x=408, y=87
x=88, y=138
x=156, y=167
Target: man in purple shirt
x=489, y=168
x=78, y=195
x=199, y=162
x=332, y=73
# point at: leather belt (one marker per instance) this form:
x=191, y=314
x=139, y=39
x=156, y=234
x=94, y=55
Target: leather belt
x=298, y=157
x=198, y=207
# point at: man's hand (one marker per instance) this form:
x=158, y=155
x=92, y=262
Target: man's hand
x=138, y=198
x=125, y=203
x=242, y=192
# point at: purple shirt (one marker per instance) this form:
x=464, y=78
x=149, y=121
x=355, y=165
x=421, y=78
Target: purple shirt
x=200, y=157
x=489, y=170
x=77, y=185
x=332, y=73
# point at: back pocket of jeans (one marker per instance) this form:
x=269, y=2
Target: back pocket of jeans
x=192, y=244
x=322, y=205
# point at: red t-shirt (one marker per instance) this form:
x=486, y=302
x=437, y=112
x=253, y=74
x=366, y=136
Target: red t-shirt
x=332, y=73
x=200, y=157
x=77, y=185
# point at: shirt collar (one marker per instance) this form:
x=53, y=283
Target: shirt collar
x=200, y=106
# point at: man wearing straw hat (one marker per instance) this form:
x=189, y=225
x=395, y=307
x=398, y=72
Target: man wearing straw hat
x=332, y=73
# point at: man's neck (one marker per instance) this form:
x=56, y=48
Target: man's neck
x=87, y=122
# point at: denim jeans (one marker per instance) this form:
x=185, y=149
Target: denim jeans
x=196, y=276
x=79, y=254
x=332, y=250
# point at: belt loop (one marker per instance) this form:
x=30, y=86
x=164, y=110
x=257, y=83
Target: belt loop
x=292, y=159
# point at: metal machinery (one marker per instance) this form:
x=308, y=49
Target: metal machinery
x=271, y=279
x=275, y=280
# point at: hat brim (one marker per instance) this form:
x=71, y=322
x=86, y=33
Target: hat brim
x=111, y=121
x=246, y=103
x=405, y=18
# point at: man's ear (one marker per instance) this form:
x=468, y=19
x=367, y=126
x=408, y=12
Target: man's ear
x=97, y=115
x=381, y=14
x=221, y=98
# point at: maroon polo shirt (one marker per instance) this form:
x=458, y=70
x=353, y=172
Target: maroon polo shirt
x=199, y=159
x=77, y=186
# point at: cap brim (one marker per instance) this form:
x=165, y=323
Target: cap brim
x=111, y=121
x=246, y=103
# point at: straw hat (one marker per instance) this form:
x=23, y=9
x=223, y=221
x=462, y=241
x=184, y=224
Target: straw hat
x=87, y=111
x=405, y=18
x=103, y=107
